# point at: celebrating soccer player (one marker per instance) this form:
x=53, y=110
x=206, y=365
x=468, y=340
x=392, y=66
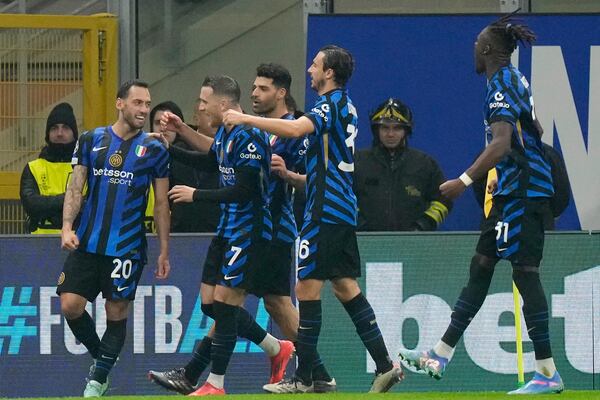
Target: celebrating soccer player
x=328, y=248
x=513, y=229
x=108, y=252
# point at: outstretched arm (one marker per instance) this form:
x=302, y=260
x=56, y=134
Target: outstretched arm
x=73, y=200
x=277, y=126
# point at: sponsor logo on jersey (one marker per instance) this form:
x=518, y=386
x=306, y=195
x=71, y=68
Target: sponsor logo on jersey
x=115, y=176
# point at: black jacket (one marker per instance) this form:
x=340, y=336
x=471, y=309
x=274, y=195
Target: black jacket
x=38, y=207
x=199, y=216
x=395, y=192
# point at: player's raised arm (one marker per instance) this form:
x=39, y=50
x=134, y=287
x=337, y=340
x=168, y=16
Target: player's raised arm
x=199, y=141
x=71, y=207
x=280, y=127
x=162, y=220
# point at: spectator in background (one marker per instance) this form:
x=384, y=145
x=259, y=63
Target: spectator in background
x=560, y=179
x=397, y=187
x=200, y=216
x=44, y=180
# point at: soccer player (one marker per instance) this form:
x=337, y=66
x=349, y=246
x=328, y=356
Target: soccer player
x=242, y=155
x=328, y=249
x=514, y=228
x=108, y=251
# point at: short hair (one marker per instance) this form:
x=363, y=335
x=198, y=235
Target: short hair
x=166, y=106
x=340, y=61
x=223, y=85
x=507, y=31
x=278, y=73
x=123, y=91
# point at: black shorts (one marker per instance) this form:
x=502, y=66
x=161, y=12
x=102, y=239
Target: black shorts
x=328, y=251
x=273, y=273
x=232, y=262
x=88, y=274
x=514, y=230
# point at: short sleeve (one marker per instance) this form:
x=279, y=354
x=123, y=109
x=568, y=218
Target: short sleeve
x=320, y=115
x=81, y=153
x=249, y=150
x=503, y=105
x=161, y=165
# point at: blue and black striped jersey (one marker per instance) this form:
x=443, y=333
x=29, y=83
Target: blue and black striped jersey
x=292, y=151
x=119, y=175
x=524, y=172
x=244, y=147
x=330, y=160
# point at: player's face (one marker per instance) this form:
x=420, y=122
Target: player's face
x=61, y=133
x=317, y=75
x=479, y=48
x=201, y=120
x=170, y=135
x=265, y=95
x=211, y=105
x=391, y=134
x=135, y=107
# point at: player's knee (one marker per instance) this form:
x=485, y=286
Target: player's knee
x=345, y=289
x=71, y=309
x=208, y=310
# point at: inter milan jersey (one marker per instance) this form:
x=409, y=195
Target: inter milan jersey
x=524, y=172
x=119, y=175
x=246, y=147
x=330, y=160
x=292, y=151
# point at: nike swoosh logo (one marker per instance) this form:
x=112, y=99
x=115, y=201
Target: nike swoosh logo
x=105, y=357
x=217, y=143
x=227, y=278
x=301, y=268
x=99, y=148
x=120, y=289
x=302, y=327
x=502, y=249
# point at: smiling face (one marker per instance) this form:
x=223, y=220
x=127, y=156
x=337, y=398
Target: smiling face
x=134, y=109
x=210, y=104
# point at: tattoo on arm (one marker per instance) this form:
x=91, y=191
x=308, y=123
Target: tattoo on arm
x=74, y=194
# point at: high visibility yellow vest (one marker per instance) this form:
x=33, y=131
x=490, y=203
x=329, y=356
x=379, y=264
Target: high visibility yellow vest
x=52, y=179
x=149, y=215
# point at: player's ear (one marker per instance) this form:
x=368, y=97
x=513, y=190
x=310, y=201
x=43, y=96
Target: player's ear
x=119, y=103
x=281, y=93
x=486, y=50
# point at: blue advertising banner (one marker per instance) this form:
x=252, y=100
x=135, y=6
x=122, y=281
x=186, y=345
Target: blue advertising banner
x=427, y=62
x=164, y=324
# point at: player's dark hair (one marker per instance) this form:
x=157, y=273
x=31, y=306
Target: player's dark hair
x=223, y=85
x=340, y=61
x=507, y=31
x=278, y=73
x=123, y=91
x=166, y=106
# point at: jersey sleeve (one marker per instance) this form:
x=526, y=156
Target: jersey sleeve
x=503, y=104
x=161, y=165
x=81, y=153
x=320, y=115
x=249, y=150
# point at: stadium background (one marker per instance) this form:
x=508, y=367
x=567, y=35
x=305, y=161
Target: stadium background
x=424, y=59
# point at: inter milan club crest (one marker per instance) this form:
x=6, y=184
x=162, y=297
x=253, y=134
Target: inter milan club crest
x=115, y=160
x=140, y=150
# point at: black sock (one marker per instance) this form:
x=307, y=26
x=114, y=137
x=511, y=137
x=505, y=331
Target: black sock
x=364, y=320
x=84, y=329
x=200, y=360
x=308, y=337
x=110, y=347
x=469, y=302
x=248, y=328
x=535, y=311
x=225, y=336
x=319, y=373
